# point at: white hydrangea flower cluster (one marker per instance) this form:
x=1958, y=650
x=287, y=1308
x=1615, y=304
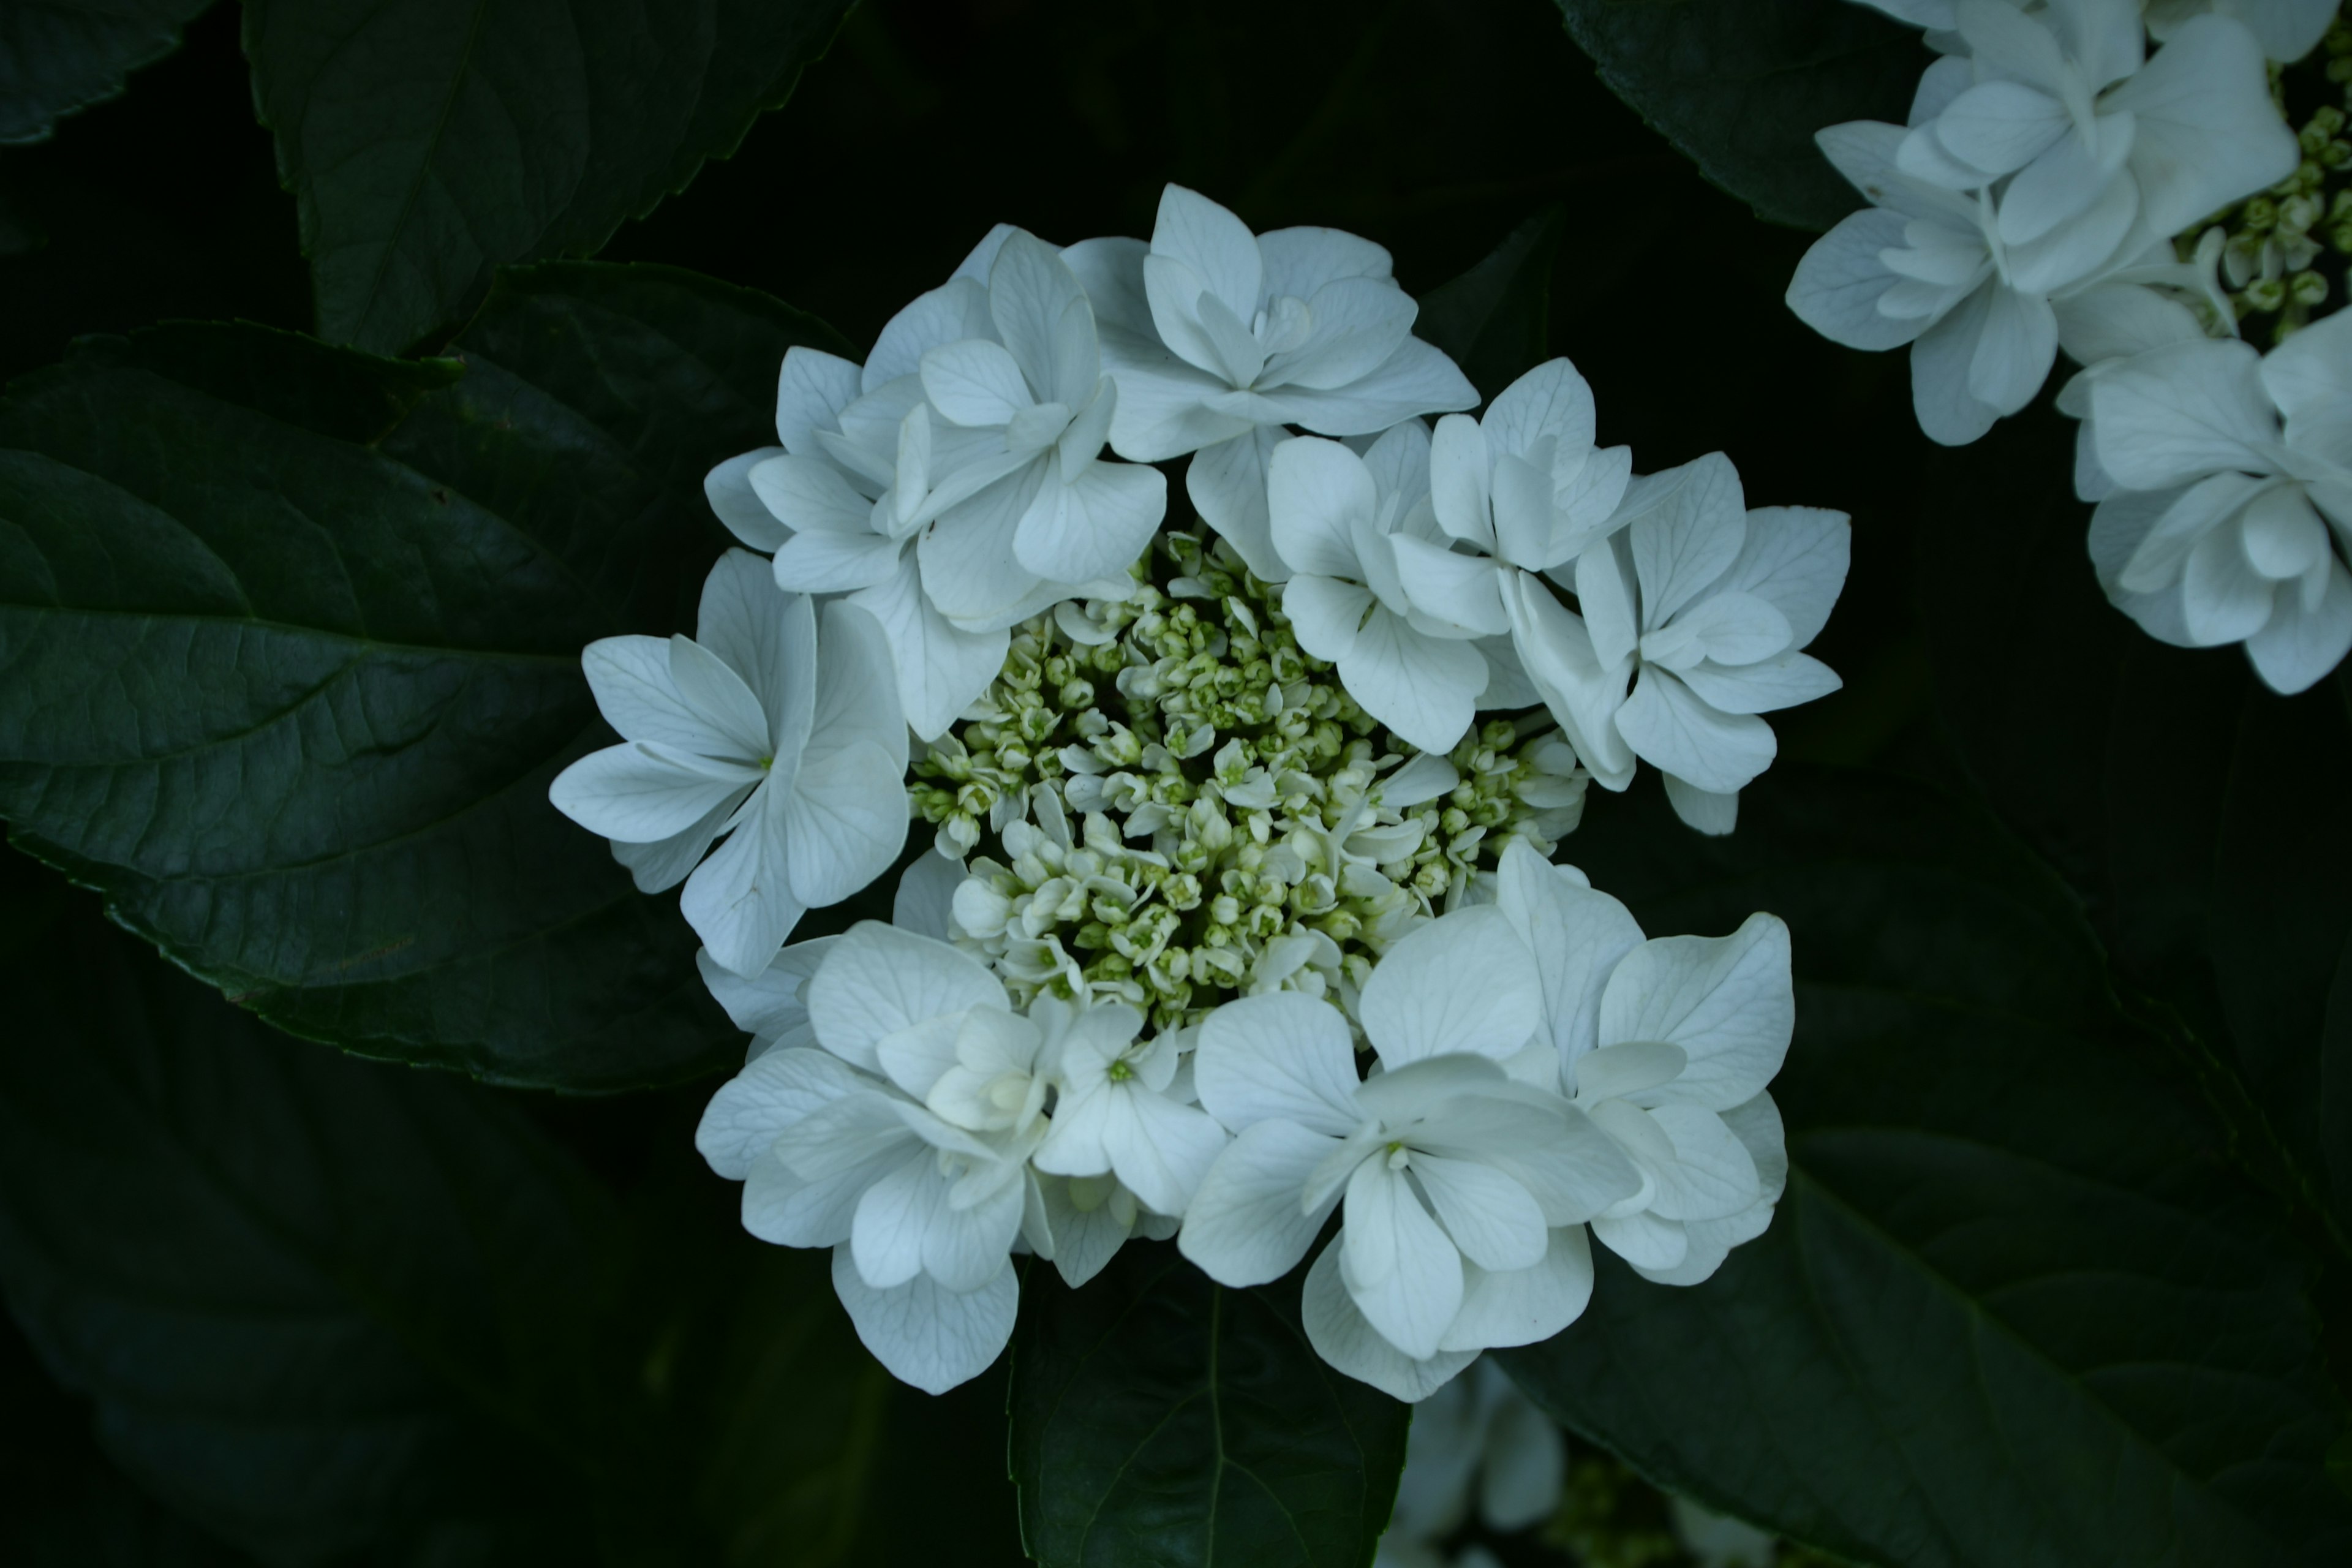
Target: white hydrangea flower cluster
x=2054, y=190
x=1236, y=914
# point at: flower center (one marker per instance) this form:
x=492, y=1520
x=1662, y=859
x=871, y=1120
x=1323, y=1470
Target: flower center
x=1185, y=807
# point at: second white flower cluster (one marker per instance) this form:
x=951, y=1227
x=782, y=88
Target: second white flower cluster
x=1531, y=1068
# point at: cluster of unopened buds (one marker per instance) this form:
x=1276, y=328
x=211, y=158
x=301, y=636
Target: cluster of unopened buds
x=1235, y=906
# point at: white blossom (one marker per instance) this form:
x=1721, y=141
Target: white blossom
x=1695, y=613
x=1349, y=530
x=1219, y=338
x=1665, y=1046
x=785, y=740
x=1115, y=1115
x=836, y=1147
x=2229, y=470
x=1464, y=1189
x=2037, y=162
x=930, y=522
x=2286, y=30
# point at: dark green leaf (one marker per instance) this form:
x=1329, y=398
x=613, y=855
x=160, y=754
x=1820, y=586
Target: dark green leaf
x=327, y=1307
x=2198, y=812
x=1158, y=1418
x=290, y=640
x=429, y=142
x=1740, y=86
x=320, y=1304
x=57, y=56
x=2015, y=1310
x=1496, y=319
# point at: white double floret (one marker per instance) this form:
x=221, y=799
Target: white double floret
x=783, y=738
x=1219, y=338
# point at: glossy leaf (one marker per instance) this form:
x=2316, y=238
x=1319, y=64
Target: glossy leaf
x=429, y=142
x=1160, y=1418
x=290, y=640
x=1496, y=319
x=1739, y=88
x=2015, y=1308
x=57, y=56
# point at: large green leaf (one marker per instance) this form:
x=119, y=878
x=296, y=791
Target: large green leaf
x=2198, y=812
x=429, y=142
x=2015, y=1310
x=1160, y=1418
x=1740, y=86
x=289, y=651
x=57, y=56
x=331, y=1308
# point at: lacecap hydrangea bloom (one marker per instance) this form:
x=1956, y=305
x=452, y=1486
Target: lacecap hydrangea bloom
x=1234, y=909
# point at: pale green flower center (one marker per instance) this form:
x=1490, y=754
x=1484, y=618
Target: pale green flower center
x=1218, y=826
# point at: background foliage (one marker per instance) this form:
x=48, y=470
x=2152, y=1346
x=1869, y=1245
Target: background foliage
x=286, y=659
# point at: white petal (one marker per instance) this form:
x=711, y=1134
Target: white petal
x=1644, y=1240
x=1227, y=483
x=639, y=793
x=1549, y=402
x=1300, y=260
x=768, y=1005
x=1246, y=1225
x=728, y=488
x=784, y=1208
x=956, y=311
x=844, y=822
x=658, y=866
x=1493, y=1219
x=1727, y=1002
x=1161, y=1149
x=1583, y=696
x=1459, y=467
x=2208, y=132
x=1690, y=539
x=1576, y=934
x=1085, y=1240
x=1402, y=1272
x=1766, y=688
x=766, y=636
x=752, y=1107
x=810, y=494
x=879, y=980
x=1702, y=811
x=1030, y=292
x=2178, y=412
x=1283, y=1056
x=857, y=696
x=1524, y=1305
x=630, y=677
x=1417, y=379
x=1999, y=126
x=1465, y=591
x=939, y=669
x=1948, y=413
x=975, y=382
x=812, y=389
x=2297, y=647
x=1463, y=984
x=1162, y=411
x=2014, y=352
x=1424, y=688
x=740, y=900
x=1713, y=1176
x=1796, y=558
x=822, y=562
x=1326, y=614
x=1093, y=527
x=1343, y=1336
x=1357, y=323
x=1672, y=728
x=926, y=1334
x=969, y=570
x=1317, y=493
x=1837, y=286
x=926, y=898
x=2223, y=598
x=1217, y=245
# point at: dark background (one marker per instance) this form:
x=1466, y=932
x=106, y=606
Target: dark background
x=1434, y=128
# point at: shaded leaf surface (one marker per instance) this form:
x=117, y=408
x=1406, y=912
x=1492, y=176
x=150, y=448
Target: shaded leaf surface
x=1741, y=87
x=2198, y=812
x=289, y=651
x=1158, y=1418
x=429, y=142
x=57, y=55
x=2015, y=1310
x=334, y=1310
